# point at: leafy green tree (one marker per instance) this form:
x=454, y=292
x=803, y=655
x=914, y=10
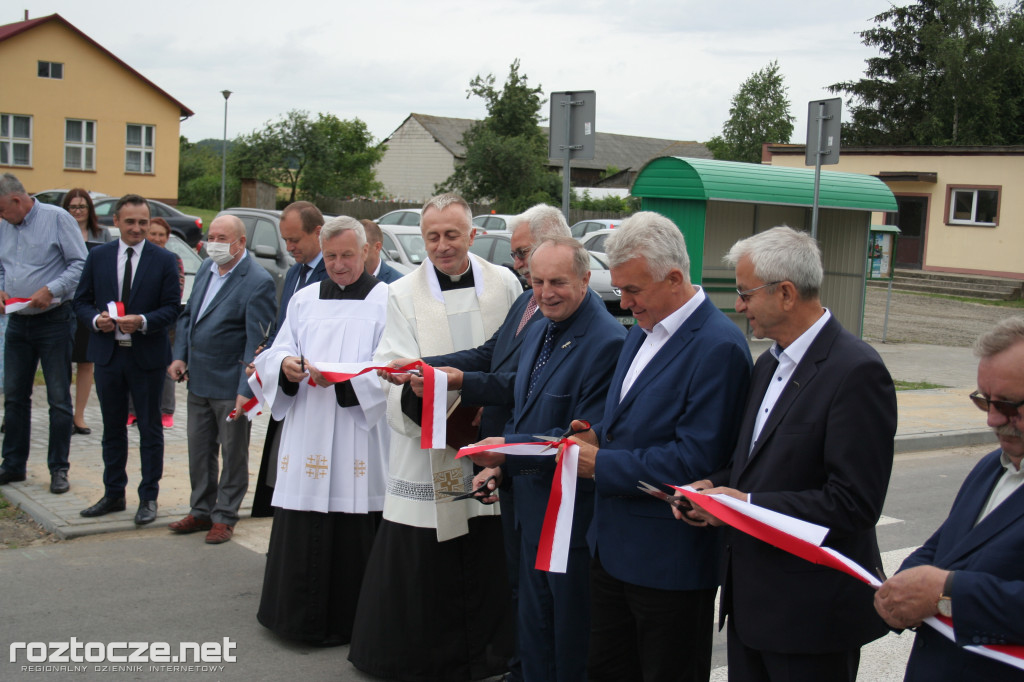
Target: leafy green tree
x=199, y=178
x=506, y=152
x=759, y=113
x=949, y=72
x=322, y=157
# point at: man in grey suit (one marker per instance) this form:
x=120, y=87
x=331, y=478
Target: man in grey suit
x=233, y=299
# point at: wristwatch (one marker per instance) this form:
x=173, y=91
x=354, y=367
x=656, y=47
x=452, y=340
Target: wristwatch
x=945, y=604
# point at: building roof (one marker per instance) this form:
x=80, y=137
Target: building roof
x=709, y=180
x=10, y=30
x=610, y=149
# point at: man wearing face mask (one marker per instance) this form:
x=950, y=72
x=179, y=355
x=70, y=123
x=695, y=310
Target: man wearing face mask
x=232, y=300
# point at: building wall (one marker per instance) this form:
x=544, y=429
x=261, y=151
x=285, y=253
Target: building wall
x=413, y=163
x=96, y=88
x=953, y=248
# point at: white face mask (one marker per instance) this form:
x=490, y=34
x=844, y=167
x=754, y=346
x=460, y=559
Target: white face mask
x=219, y=252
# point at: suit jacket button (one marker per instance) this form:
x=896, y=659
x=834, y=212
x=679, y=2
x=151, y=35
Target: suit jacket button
x=608, y=438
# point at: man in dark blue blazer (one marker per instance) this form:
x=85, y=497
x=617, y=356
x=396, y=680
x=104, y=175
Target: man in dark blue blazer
x=816, y=442
x=300, y=229
x=671, y=414
x=131, y=353
x=375, y=265
x=972, y=569
x=563, y=374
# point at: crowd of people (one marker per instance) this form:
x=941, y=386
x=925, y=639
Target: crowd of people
x=376, y=543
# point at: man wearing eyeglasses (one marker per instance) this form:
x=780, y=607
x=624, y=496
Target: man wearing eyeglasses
x=972, y=569
x=815, y=442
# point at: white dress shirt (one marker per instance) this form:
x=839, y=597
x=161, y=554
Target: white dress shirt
x=1006, y=485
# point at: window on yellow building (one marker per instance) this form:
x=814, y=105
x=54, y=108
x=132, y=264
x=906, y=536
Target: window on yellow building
x=15, y=140
x=79, y=144
x=138, y=153
x=51, y=70
x=974, y=206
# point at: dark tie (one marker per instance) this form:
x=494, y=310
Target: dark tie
x=531, y=308
x=126, y=283
x=303, y=274
x=544, y=356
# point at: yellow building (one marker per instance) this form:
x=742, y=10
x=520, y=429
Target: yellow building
x=74, y=115
x=959, y=210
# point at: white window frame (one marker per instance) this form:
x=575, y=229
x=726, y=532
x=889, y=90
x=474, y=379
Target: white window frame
x=86, y=146
x=8, y=140
x=973, y=191
x=144, y=151
x=49, y=69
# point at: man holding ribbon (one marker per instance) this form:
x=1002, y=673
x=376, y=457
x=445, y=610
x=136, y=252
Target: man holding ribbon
x=231, y=304
x=815, y=442
x=332, y=463
x=430, y=606
x=971, y=571
x=129, y=296
x=41, y=259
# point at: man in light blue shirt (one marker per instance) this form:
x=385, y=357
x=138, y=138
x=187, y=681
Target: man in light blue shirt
x=41, y=259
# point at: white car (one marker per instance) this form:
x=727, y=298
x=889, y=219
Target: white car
x=493, y=221
x=585, y=227
x=403, y=216
x=403, y=244
x=595, y=241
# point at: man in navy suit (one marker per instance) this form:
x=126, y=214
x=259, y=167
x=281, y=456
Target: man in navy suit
x=231, y=303
x=816, y=442
x=671, y=415
x=132, y=352
x=972, y=569
x=300, y=229
x=563, y=374
x=375, y=265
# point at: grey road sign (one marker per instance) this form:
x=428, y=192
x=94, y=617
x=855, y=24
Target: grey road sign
x=572, y=130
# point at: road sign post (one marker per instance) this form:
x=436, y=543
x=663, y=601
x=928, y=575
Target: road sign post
x=571, y=133
x=822, y=147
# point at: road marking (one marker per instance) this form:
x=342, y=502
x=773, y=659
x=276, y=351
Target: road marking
x=886, y=520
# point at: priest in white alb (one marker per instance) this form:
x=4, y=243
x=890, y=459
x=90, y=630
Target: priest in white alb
x=435, y=601
x=332, y=462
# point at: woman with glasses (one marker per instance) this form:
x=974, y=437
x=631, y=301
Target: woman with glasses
x=78, y=203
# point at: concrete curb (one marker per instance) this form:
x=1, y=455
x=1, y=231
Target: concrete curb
x=917, y=442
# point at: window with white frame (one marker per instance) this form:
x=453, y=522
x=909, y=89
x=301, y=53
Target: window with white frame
x=79, y=144
x=138, y=152
x=15, y=140
x=51, y=70
x=974, y=206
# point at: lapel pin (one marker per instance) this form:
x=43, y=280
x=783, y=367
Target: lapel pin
x=566, y=345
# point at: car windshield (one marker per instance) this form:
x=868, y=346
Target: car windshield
x=414, y=247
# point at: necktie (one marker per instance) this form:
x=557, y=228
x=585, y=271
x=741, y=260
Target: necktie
x=531, y=308
x=303, y=274
x=126, y=283
x=544, y=356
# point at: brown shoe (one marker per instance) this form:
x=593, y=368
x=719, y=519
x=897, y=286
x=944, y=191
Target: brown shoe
x=220, y=533
x=190, y=524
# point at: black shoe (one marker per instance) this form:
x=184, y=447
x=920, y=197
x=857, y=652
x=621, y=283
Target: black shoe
x=7, y=477
x=81, y=430
x=59, y=482
x=104, y=506
x=146, y=513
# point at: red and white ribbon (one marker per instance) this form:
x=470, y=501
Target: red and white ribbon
x=768, y=528
x=251, y=409
x=115, y=309
x=555, y=534
x=433, y=422
x=13, y=305
x=256, y=386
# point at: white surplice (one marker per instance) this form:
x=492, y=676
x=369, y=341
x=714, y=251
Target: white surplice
x=331, y=458
x=422, y=321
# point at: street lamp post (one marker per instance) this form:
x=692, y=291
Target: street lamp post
x=224, y=151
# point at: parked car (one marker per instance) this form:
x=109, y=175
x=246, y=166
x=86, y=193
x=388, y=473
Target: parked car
x=188, y=227
x=585, y=227
x=493, y=221
x=403, y=244
x=496, y=248
x=56, y=196
x=403, y=216
x=189, y=258
x=263, y=241
x=595, y=241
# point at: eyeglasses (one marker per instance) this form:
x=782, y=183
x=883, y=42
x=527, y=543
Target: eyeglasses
x=78, y=207
x=1007, y=408
x=745, y=295
x=521, y=254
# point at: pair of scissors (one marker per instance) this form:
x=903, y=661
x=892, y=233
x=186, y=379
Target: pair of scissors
x=680, y=503
x=266, y=332
x=568, y=432
x=466, y=495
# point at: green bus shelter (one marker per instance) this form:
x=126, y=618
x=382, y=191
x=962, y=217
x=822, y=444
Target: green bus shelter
x=717, y=203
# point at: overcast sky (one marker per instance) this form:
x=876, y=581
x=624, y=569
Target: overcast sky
x=661, y=68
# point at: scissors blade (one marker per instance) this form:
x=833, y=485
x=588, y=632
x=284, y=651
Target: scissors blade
x=464, y=495
x=677, y=502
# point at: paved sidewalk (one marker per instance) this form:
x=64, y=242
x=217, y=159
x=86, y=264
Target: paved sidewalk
x=928, y=420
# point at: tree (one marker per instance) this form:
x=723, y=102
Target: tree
x=950, y=72
x=506, y=152
x=325, y=157
x=759, y=113
x=199, y=167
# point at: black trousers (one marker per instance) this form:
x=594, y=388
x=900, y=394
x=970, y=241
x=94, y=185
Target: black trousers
x=754, y=665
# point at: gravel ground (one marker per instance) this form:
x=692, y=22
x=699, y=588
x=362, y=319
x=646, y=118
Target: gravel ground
x=924, y=319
